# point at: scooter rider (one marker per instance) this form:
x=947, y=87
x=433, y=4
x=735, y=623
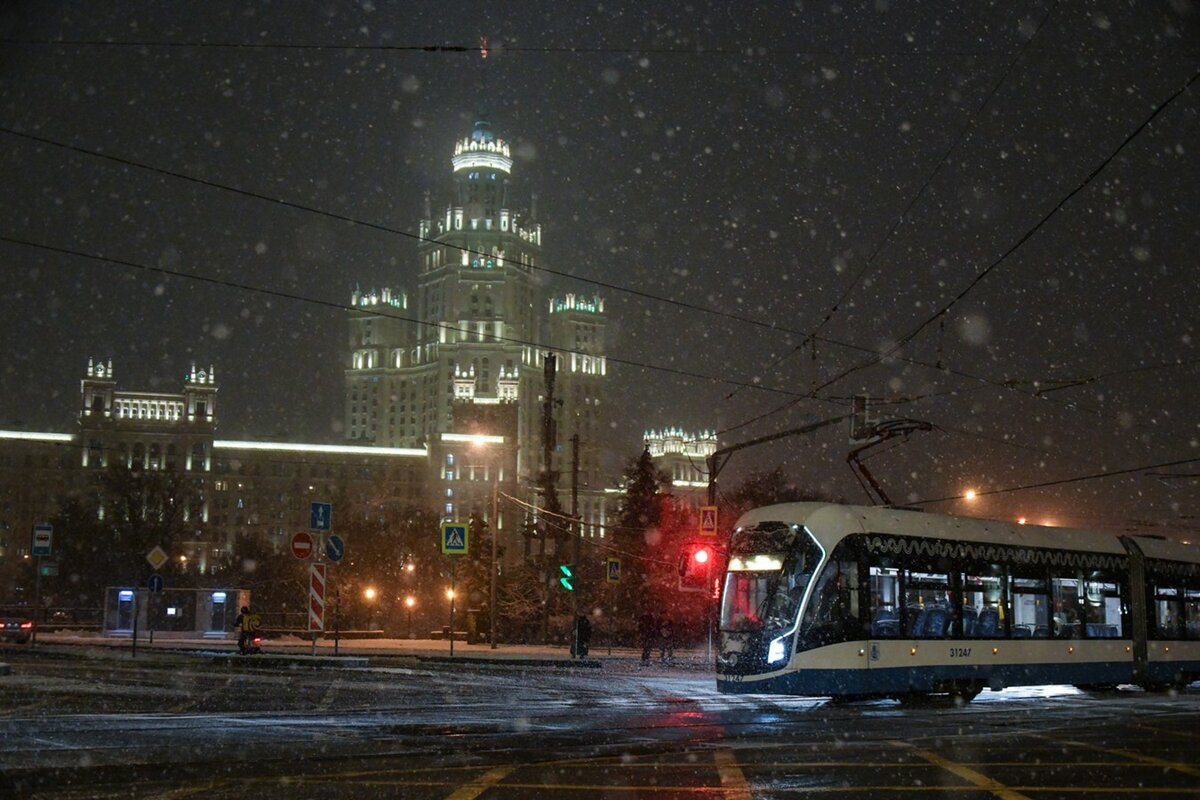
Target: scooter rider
x=247, y=624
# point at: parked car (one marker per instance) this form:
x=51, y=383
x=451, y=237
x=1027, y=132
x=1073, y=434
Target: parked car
x=15, y=629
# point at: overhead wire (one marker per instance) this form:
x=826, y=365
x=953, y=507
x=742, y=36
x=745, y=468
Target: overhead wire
x=608, y=285
x=978, y=278
x=372, y=311
x=908, y=207
x=499, y=49
x=1057, y=482
x=740, y=318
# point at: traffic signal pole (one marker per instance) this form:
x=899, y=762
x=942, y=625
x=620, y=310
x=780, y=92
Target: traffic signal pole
x=575, y=528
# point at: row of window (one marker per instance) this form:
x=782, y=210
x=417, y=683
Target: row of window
x=881, y=598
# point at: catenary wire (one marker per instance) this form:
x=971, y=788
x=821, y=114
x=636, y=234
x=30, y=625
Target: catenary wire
x=1058, y=482
x=499, y=49
x=375, y=311
x=893, y=349
x=614, y=287
x=912, y=202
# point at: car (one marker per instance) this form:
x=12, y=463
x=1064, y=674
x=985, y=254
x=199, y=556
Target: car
x=16, y=629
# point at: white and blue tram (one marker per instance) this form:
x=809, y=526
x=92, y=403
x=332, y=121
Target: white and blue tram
x=849, y=601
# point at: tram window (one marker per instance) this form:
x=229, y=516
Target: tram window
x=885, y=589
x=1168, y=613
x=927, y=604
x=1066, y=593
x=1030, y=608
x=1102, y=608
x=981, y=606
x=1191, y=610
x=834, y=614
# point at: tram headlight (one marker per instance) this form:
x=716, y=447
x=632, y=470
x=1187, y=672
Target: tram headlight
x=777, y=651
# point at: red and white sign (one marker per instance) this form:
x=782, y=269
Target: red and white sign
x=302, y=545
x=316, y=597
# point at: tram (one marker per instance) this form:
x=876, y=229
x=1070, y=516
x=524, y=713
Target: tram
x=860, y=602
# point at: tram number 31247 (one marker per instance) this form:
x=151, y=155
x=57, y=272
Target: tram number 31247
x=960, y=652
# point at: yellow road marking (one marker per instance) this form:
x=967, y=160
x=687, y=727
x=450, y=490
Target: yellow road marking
x=486, y=781
x=966, y=773
x=733, y=780
x=1137, y=757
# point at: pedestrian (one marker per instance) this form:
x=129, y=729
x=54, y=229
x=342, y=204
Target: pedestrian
x=667, y=640
x=647, y=632
x=246, y=624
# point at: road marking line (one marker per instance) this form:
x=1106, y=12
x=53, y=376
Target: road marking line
x=733, y=780
x=327, y=700
x=1152, y=761
x=486, y=781
x=965, y=772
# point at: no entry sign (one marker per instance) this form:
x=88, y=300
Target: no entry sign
x=302, y=545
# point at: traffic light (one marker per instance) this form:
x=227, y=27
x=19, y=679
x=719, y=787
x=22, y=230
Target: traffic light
x=567, y=577
x=695, y=564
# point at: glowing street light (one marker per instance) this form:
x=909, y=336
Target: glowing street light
x=409, y=602
x=369, y=593
x=969, y=494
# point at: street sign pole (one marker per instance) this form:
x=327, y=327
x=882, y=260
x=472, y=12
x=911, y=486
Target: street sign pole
x=453, y=561
x=133, y=653
x=37, y=602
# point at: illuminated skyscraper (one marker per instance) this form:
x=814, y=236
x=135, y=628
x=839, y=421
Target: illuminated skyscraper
x=465, y=353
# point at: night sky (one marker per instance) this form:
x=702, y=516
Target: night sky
x=755, y=160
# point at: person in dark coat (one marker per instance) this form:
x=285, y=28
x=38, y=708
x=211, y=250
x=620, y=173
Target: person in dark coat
x=647, y=633
x=667, y=640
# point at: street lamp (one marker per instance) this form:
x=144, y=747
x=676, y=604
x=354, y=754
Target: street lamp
x=494, y=525
x=369, y=594
x=409, y=602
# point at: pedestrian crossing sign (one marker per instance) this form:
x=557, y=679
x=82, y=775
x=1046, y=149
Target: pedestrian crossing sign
x=613, y=570
x=454, y=539
x=708, y=520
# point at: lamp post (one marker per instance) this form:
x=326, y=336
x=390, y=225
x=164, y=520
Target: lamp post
x=409, y=602
x=494, y=526
x=495, y=535
x=369, y=594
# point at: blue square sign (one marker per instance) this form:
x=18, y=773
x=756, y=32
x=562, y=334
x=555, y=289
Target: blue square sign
x=320, y=516
x=455, y=539
x=43, y=538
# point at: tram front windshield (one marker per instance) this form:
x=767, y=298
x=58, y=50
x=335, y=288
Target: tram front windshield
x=770, y=565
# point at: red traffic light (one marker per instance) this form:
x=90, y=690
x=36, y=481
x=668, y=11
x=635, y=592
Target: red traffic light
x=701, y=555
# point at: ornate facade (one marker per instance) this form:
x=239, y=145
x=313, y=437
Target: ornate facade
x=472, y=337
x=258, y=488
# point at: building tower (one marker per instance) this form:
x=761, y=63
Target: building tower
x=466, y=354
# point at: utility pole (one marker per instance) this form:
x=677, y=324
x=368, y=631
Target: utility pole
x=575, y=527
x=549, y=492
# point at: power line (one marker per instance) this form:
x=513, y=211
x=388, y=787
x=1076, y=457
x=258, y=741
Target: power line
x=1059, y=482
x=962, y=134
x=1038, y=225
x=940, y=313
x=614, y=287
x=228, y=284
x=699, y=51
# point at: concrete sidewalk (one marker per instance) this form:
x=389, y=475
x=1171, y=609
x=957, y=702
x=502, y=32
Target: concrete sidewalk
x=381, y=651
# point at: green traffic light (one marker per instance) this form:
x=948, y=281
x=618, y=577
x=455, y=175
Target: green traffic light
x=567, y=577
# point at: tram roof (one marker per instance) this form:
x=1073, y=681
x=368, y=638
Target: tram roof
x=830, y=522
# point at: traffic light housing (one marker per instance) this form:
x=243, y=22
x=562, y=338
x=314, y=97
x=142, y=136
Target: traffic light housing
x=695, y=565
